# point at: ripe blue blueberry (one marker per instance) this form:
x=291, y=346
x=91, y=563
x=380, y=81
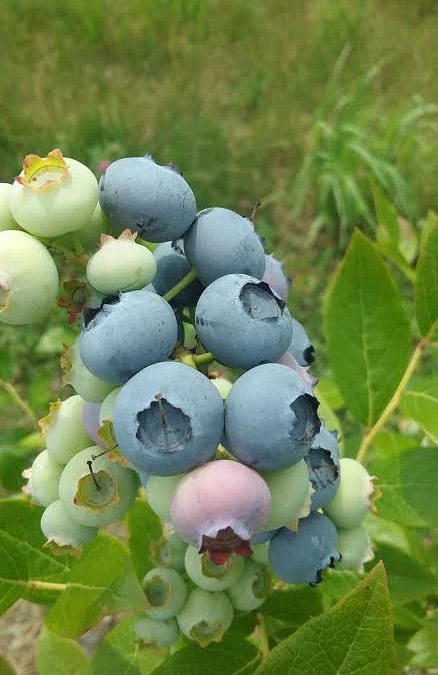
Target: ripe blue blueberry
x=276, y=278
x=300, y=346
x=127, y=333
x=324, y=468
x=300, y=557
x=137, y=193
x=172, y=266
x=242, y=322
x=221, y=242
x=270, y=418
x=168, y=418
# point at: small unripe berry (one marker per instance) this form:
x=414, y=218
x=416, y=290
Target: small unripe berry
x=165, y=592
x=206, y=616
x=62, y=531
x=252, y=588
x=291, y=494
x=355, y=548
x=352, y=500
x=209, y=576
x=155, y=633
x=44, y=479
x=63, y=430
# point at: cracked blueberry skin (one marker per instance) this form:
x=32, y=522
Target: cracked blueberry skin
x=218, y=507
x=127, y=333
x=242, y=322
x=172, y=266
x=137, y=193
x=168, y=419
x=300, y=346
x=221, y=242
x=300, y=557
x=270, y=418
x=324, y=468
x=276, y=278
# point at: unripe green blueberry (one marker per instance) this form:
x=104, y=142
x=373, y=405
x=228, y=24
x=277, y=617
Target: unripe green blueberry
x=165, y=592
x=53, y=195
x=28, y=278
x=222, y=385
x=94, y=490
x=253, y=587
x=120, y=265
x=291, y=494
x=7, y=221
x=63, y=429
x=206, y=616
x=90, y=233
x=107, y=407
x=44, y=479
x=61, y=530
x=352, y=501
x=355, y=547
x=159, y=493
x=155, y=633
x=169, y=551
x=88, y=386
x=209, y=576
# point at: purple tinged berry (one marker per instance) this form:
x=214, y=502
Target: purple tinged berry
x=90, y=421
x=168, y=419
x=300, y=557
x=270, y=418
x=218, y=507
x=324, y=468
x=303, y=371
x=243, y=322
x=137, y=193
x=221, y=242
x=127, y=333
x=276, y=278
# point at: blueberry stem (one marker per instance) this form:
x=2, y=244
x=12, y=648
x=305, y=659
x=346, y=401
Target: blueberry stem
x=263, y=641
x=146, y=244
x=203, y=358
x=93, y=475
x=19, y=401
x=181, y=285
x=256, y=206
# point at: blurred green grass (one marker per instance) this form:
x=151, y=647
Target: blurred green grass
x=264, y=99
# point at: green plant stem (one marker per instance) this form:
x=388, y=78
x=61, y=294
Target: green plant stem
x=263, y=638
x=181, y=285
x=146, y=244
x=203, y=358
x=19, y=401
x=396, y=397
x=46, y=585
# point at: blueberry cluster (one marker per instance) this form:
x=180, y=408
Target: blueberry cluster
x=191, y=378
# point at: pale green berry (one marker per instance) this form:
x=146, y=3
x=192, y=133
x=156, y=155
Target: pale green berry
x=209, y=576
x=155, y=633
x=107, y=407
x=206, y=616
x=355, y=548
x=96, y=491
x=88, y=386
x=44, y=479
x=260, y=553
x=53, y=195
x=7, y=221
x=291, y=494
x=165, y=592
x=96, y=226
x=352, y=501
x=169, y=551
x=28, y=278
x=253, y=587
x=159, y=493
x=63, y=429
x=222, y=385
x=61, y=530
x=121, y=265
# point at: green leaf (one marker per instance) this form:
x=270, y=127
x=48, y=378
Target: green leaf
x=426, y=277
x=409, y=484
x=22, y=557
x=420, y=403
x=336, y=585
x=408, y=579
x=328, y=390
x=143, y=527
x=60, y=656
x=367, y=331
x=354, y=636
x=5, y=667
x=231, y=657
x=424, y=644
x=294, y=605
x=101, y=582
x=389, y=444
x=119, y=653
x=389, y=533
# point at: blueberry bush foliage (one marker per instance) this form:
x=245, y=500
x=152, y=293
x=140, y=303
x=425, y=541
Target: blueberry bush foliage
x=379, y=321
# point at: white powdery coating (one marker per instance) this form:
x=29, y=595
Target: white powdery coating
x=218, y=495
